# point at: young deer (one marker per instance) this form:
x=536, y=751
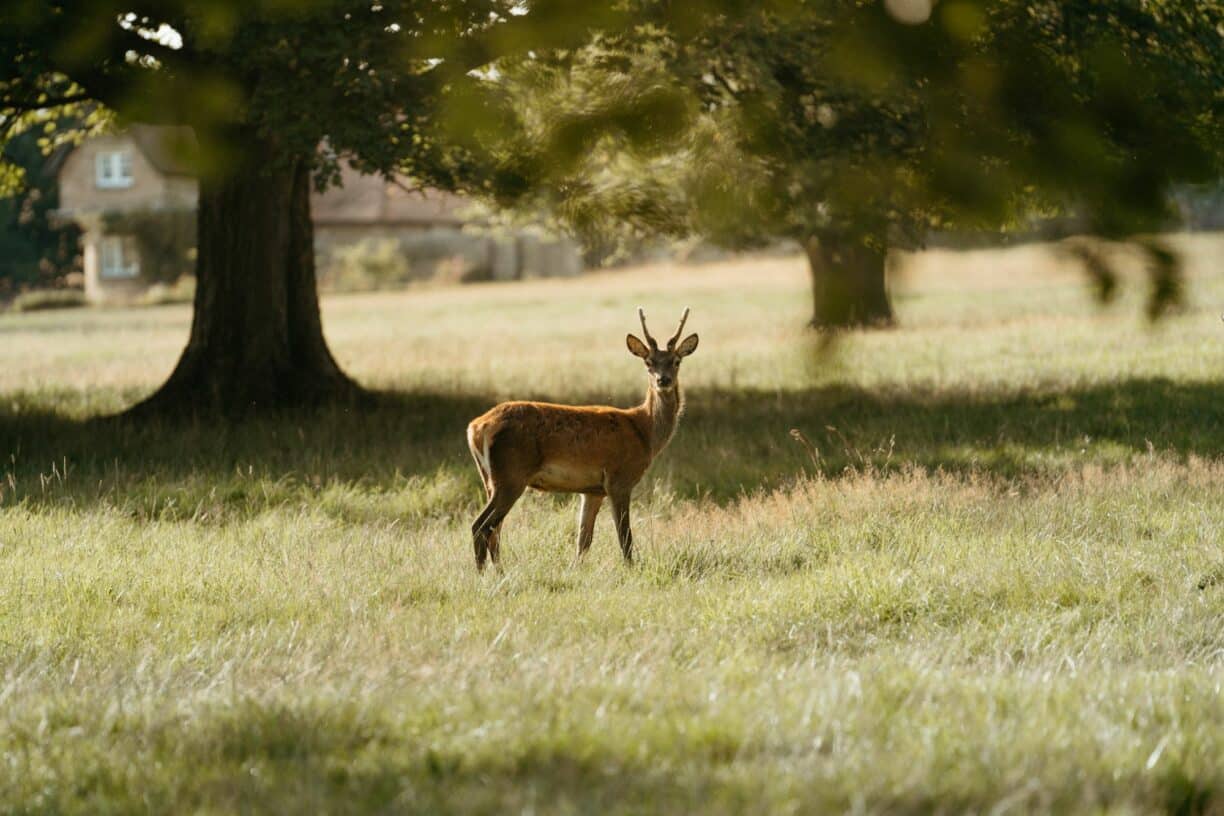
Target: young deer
x=593, y=450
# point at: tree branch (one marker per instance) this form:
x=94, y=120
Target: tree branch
x=550, y=24
x=130, y=39
x=10, y=107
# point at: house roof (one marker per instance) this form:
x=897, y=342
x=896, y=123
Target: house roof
x=171, y=150
x=360, y=199
x=372, y=199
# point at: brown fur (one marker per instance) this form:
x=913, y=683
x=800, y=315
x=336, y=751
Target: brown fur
x=594, y=450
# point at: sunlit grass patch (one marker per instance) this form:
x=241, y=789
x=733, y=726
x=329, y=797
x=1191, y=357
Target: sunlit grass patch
x=985, y=573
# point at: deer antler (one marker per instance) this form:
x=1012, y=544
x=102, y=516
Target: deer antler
x=671, y=344
x=642, y=315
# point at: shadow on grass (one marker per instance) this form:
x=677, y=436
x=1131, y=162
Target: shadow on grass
x=730, y=442
x=727, y=435
x=290, y=760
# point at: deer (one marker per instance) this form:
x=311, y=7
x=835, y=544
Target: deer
x=595, y=450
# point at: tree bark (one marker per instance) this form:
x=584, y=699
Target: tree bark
x=849, y=288
x=256, y=338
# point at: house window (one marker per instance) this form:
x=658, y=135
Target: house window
x=120, y=257
x=113, y=169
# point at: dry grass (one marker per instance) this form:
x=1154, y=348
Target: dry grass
x=996, y=581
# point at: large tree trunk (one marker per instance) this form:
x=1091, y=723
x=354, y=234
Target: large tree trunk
x=256, y=338
x=848, y=284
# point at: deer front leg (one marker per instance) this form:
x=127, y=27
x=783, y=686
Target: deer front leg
x=620, y=514
x=587, y=512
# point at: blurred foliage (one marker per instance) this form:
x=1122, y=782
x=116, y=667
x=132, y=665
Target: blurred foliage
x=877, y=123
x=390, y=86
x=33, y=251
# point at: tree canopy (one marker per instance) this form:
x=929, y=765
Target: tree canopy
x=388, y=84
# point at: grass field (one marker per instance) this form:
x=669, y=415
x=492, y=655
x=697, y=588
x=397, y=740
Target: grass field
x=994, y=581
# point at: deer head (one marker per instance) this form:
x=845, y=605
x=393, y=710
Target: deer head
x=663, y=365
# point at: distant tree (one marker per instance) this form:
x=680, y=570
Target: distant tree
x=392, y=86
x=855, y=128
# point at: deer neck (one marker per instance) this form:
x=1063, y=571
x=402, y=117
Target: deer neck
x=663, y=409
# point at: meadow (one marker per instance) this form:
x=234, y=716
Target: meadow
x=987, y=573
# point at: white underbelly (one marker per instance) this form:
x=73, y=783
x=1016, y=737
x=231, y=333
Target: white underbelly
x=569, y=477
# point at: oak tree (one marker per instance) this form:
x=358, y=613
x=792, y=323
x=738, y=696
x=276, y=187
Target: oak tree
x=277, y=94
x=856, y=128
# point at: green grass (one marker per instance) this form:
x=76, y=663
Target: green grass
x=994, y=581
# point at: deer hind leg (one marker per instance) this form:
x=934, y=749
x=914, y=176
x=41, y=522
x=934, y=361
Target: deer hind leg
x=486, y=527
x=494, y=537
x=494, y=544
x=478, y=444
x=587, y=512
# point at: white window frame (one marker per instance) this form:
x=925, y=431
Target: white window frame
x=113, y=169
x=118, y=257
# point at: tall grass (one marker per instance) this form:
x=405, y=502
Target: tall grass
x=990, y=577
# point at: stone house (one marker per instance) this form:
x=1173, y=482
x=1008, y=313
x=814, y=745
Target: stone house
x=114, y=186
x=141, y=171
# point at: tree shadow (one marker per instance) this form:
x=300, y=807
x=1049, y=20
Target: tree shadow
x=729, y=442
x=1033, y=432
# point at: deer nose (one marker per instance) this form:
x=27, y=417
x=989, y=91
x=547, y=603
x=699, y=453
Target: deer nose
x=665, y=380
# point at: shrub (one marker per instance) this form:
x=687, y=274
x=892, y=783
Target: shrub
x=181, y=291
x=372, y=263
x=167, y=241
x=42, y=299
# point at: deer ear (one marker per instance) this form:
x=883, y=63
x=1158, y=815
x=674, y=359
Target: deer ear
x=636, y=347
x=688, y=346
